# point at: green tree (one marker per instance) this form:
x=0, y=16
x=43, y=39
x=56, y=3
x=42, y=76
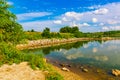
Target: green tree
x=32, y=30
x=10, y=30
x=65, y=29
x=75, y=29
x=46, y=33
x=68, y=29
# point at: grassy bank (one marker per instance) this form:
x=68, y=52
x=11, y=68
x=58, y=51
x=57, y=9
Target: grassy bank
x=9, y=55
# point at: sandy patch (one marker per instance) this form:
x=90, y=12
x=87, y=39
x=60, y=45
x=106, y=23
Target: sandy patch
x=20, y=72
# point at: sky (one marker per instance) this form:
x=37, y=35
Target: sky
x=88, y=15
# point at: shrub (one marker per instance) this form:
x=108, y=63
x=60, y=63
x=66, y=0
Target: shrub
x=9, y=55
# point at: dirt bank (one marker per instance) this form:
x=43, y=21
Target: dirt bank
x=20, y=72
x=23, y=71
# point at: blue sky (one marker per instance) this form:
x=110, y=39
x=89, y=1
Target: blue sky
x=88, y=15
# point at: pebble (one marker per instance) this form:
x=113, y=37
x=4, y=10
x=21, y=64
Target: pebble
x=65, y=69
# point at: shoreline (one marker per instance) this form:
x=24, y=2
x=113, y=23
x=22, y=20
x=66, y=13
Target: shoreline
x=79, y=75
x=33, y=44
x=93, y=73
x=53, y=42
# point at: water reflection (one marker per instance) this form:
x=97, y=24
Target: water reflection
x=104, y=54
x=64, y=46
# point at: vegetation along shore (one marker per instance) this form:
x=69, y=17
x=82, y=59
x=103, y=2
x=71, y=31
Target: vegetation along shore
x=17, y=65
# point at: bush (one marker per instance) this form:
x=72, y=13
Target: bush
x=46, y=33
x=9, y=55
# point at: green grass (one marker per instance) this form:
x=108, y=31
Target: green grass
x=54, y=76
x=9, y=55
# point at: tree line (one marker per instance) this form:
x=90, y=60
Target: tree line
x=77, y=33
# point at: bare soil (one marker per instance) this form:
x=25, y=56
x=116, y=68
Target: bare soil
x=20, y=71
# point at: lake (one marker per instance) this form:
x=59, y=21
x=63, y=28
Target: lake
x=99, y=54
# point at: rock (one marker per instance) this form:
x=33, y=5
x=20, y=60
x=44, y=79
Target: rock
x=65, y=69
x=56, y=62
x=98, y=71
x=68, y=65
x=115, y=72
x=81, y=67
x=63, y=65
x=85, y=70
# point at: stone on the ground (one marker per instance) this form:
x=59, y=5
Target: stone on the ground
x=85, y=70
x=68, y=65
x=63, y=65
x=65, y=69
x=115, y=72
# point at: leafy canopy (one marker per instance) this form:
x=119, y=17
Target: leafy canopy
x=10, y=30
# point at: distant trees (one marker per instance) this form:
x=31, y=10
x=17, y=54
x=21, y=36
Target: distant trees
x=46, y=33
x=68, y=29
x=73, y=30
x=10, y=30
x=32, y=30
x=65, y=29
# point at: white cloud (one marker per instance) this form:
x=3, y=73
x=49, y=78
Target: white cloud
x=109, y=28
x=57, y=22
x=70, y=16
x=105, y=28
x=73, y=15
x=94, y=20
x=105, y=17
x=86, y=24
x=36, y=25
x=115, y=27
x=102, y=16
x=101, y=24
x=40, y=25
x=27, y=16
x=94, y=7
x=74, y=24
x=64, y=19
x=112, y=22
x=108, y=11
x=101, y=11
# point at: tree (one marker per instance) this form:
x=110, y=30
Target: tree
x=75, y=29
x=65, y=29
x=10, y=30
x=32, y=30
x=68, y=29
x=46, y=33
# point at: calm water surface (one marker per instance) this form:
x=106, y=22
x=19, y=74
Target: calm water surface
x=103, y=54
